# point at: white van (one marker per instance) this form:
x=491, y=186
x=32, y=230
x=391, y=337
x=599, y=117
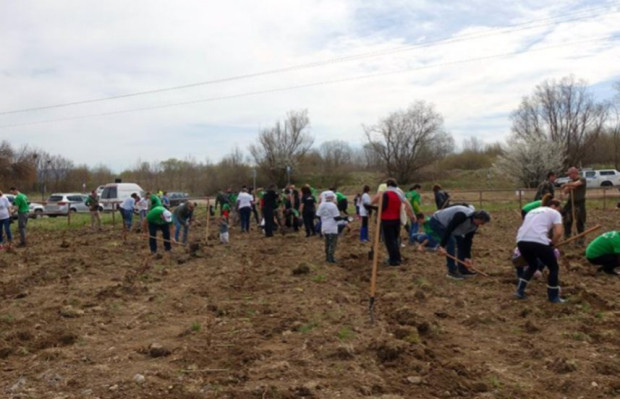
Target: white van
x=115, y=193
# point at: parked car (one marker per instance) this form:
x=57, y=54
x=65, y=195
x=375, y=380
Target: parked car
x=61, y=203
x=36, y=209
x=595, y=178
x=115, y=193
x=177, y=198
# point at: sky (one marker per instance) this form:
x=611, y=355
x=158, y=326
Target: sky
x=117, y=82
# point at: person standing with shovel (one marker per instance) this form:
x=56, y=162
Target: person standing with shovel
x=390, y=218
x=574, y=210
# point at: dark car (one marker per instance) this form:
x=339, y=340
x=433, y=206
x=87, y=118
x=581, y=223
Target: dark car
x=177, y=198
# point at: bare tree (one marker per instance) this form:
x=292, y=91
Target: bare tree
x=527, y=161
x=563, y=112
x=406, y=141
x=336, y=156
x=474, y=145
x=280, y=148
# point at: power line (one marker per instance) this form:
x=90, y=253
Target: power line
x=574, y=16
x=301, y=86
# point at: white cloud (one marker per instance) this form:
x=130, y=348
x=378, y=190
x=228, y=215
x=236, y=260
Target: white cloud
x=63, y=51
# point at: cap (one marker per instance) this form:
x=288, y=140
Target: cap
x=167, y=216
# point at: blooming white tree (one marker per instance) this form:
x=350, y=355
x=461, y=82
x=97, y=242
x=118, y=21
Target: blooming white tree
x=528, y=160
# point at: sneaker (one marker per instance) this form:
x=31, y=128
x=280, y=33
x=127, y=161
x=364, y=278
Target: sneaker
x=455, y=276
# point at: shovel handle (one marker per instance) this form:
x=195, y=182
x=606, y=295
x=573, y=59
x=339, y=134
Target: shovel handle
x=454, y=258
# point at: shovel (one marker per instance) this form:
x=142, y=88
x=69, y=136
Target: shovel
x=374, y=255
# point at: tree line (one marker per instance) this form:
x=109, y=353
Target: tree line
x=560, y=124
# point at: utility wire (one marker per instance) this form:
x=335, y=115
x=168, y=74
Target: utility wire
x=302, y=86
x=575, y=16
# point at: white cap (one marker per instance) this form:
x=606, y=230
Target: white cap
x=167, y=216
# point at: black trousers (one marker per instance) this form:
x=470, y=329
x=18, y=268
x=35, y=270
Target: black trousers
x=532, y=252
x=268, y=216
x=309, y=223
x=608, y=261
x=391, y=233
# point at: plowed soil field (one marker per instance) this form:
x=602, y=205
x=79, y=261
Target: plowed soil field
x=85, y=315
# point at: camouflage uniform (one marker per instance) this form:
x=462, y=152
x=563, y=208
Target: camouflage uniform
x=579, y=200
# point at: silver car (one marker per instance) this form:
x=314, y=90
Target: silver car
x=62, y=203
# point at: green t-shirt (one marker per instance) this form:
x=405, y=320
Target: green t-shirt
x=21, y=202
x=155, y=215
x=532, y=205
x=605, y=244
x=414, y=199
x=428, y=230
x=340, y=196
x=155, y=201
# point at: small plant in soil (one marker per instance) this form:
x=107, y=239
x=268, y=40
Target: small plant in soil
x=345, y=334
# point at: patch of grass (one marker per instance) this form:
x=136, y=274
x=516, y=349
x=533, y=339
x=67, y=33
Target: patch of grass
x=585, y=306
x=195, y=327
x=345, y=334
x=495, y=382
x=7, y=318
x=306, y=328
x=422, y=282
x=577, y=336
x=319, y=278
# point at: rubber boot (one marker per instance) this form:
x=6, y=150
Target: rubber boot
x=520, y=293
x=554, y=295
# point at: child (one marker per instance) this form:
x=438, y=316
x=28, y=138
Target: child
x=328, y=212
x=427, y=240
x=225, y=209
x=224, y=229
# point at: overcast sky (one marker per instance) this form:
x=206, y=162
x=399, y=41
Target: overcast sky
x=349, y=63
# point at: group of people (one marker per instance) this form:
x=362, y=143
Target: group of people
x=449, y=230
x=19, y=208
x=546, y=222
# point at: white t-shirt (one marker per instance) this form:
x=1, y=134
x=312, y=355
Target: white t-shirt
x=364, y=200
x=327, y=211
x=143, y=204
x=5, y=207
x=244, y=200
x=128, y=204
x=537, y=223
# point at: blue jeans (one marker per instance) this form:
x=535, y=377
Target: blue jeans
x=165, y=229
x=421, y=237
x=177, y=228
x=244, y=214
x=454, y=243
x=414, y=227
x=5, y=224
x=127, y=217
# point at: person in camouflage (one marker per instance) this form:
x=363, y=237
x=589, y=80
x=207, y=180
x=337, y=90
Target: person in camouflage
x=546, y=187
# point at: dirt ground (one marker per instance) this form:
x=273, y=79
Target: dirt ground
x=85, y=315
